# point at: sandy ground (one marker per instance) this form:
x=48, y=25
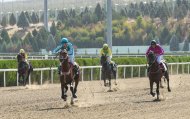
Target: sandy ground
x=130, y=99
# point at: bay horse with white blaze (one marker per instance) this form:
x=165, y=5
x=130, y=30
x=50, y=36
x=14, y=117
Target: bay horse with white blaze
x=155, y=74
x=69, y=75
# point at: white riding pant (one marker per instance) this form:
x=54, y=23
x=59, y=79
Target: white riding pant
x=109, y=59
x=159, y=60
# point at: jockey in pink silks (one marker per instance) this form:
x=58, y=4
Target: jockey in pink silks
x=158, y=51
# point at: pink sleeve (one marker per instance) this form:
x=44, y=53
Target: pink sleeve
x=161, y=51
x=147, y=51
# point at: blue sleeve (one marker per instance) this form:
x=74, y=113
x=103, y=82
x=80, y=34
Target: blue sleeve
x=70, y=49
x=57, y=49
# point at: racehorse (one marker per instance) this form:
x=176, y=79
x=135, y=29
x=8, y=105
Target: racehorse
x=155, y=74
x=108, y=70
x=68, y=75
x=24, y=70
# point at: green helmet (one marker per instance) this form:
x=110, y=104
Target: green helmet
x=105, y=46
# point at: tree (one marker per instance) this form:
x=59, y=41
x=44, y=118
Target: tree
x=4, y=21
x=35, y=18
x=174, y=43
x=34, y=32
x=5, y=36
x=15, y=38
x=23, y=21
x=28, y=17
x=186, y=45
x=53, y=29
x=98, y=12
x=50, y=43
x=12, y=20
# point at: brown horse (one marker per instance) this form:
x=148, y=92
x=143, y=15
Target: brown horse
x=69, y=75
x=108, y=70
x=155, y=74
x=24, y=70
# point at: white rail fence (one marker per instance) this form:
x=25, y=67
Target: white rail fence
x=180, y=68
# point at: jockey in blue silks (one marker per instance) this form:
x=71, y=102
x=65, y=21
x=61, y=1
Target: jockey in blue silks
x=65, y=44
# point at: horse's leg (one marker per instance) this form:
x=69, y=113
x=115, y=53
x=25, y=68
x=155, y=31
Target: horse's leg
x=104, y=78
x=168, y=82
x=63, y=88
x=151, y=88
x=157, y=89
x=114, y=74
x=72, y=91
x=75, y=89
x=65, y=91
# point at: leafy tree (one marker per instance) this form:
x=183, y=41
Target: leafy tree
x=28, y=17
x=34, y=32
x=50, y=43
x=98, y=12
x=165, y=36
x=53, y=29
x=62, y=16
x=23, y=21
x=186, y=45
x=4, y=21
x=12, y=20
x=40, y=44
x=5, y=36
x=35, y=18
x=15, y=38
x=4, y=47
x=174, y=43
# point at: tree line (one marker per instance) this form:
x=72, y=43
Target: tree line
x=135, y=24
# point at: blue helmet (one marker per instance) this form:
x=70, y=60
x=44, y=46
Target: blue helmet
x=64, y=40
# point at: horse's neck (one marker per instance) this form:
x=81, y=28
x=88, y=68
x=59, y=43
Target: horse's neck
x=65, y=66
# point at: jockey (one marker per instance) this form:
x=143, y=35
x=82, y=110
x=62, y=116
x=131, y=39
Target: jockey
x=105, y=50
x=23, y=55
x=158, y=51
x=65, y=44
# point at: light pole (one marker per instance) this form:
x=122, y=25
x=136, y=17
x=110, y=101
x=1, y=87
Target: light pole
x=109, y=22
x=46, y=14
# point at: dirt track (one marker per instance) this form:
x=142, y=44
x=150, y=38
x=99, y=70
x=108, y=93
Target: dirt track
x=130, y=100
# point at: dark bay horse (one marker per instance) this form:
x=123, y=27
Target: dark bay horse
x=24, y=70
x=108, y=70
x=155, y=74
x=69, y=75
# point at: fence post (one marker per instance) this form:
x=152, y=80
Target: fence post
x=4, y=79
x=100, y=74
x=51, y=76
x=177, y=68
x=124, y=72
x=91, y=78
x=82, y=74
x=132, y=72
x=17, y=76
x=41, y=77
x=30, y=79
x=117, y=73
x=171, y=69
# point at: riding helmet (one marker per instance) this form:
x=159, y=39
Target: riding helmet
x=22, y=51
x=64, y=40
x=105, y=46
x=153, y=42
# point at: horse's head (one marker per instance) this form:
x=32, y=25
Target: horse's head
x=151, y=58
x=103, y=59
x=64, y=60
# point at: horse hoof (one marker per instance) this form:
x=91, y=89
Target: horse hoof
x=64, y=98
x=169, y=90
x=153, y=94
x=65, y=95
x=74, y=96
